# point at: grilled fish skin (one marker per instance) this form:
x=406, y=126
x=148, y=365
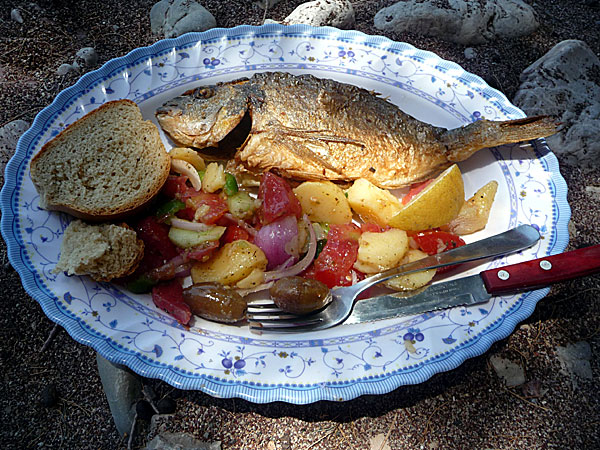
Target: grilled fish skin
x=308, y=128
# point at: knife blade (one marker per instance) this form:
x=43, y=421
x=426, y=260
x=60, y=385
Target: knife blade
x=479, y=288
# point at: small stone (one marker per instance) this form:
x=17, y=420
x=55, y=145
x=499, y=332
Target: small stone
x=319, y=13
x=470, y=53
x=593, y=191
x=511, y=373
x=460, y=21
x=122, y=389
x=49, y=396
x=564, y=83
x=575, y=361
x=172, y=18
x=266, y=3
x=144, y=410
x=180, y=441
x=15, y=15
x=166, y=405
x=65, y=69
x=87, y=56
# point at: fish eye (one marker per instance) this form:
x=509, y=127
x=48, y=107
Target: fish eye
x=204, y=92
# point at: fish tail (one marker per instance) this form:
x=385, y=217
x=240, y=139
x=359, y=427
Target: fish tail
x=463, y=142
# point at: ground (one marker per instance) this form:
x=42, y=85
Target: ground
x=468, y=407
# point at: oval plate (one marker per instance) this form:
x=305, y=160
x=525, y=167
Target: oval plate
x=228, y=361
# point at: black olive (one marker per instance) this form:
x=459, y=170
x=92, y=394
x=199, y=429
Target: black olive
x=214, y=301
x=299, y=295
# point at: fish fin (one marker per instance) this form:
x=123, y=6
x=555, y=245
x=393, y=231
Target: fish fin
x=318, y=135
x=463, y=142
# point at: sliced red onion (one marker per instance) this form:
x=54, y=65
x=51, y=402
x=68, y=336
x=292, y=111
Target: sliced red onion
x=187, y=225
x=301, y=265
x=274, y=237
x=241, y=223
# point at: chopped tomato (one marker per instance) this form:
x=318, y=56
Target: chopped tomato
x=158, y=248
x=334, y=264
x=415, y=189
x=169, y=298
x=176, y=187
x=234, y=233
x=436, y=241
x=212, y=207
x=277, y=199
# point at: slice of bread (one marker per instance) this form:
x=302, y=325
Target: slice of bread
x=104, y=166
x=104, y=251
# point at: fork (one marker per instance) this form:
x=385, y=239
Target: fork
x=265, y=316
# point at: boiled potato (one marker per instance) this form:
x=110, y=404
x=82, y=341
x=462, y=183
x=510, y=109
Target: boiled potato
x=371, y=203
x=475, y=212
x=214, y=178
x=231, y=263
x=324, y=201
x=380, y=251
x=412, y=280
x=188, y=154
x=256, y=278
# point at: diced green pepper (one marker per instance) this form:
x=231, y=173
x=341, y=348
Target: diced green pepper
x=169, y=208
x=320, y=244
x=189, y=238
x=231, y=186
x=241, y=205
x=141, y=285
x=201, y=174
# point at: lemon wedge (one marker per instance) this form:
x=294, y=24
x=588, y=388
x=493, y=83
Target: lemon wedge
x=434, y=206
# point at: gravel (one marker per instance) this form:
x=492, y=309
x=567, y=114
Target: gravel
x=54, y=398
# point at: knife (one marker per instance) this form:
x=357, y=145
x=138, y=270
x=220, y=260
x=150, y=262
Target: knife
x=479, y=288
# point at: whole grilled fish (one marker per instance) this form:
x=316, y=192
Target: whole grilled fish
x=308, y=128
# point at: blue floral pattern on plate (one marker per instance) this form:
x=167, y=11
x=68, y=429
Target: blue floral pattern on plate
x=228, y=361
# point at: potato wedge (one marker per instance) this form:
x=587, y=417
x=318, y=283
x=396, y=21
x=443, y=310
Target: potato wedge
x=214, y=178
x=324, y=201
x=381, y=251
x=475, y=212
x=412, y=280
x=371, y=203
x=233, y=262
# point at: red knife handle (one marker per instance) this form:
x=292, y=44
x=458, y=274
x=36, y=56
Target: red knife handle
x=541, y=272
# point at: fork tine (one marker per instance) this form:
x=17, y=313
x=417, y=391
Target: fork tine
x=286, y=326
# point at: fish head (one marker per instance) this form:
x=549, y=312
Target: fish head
x=204, y=116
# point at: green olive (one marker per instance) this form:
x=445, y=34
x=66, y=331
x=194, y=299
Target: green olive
x=299, y=295
x=214, y=301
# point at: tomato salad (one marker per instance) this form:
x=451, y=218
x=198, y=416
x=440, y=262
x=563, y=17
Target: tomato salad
x=233, y=242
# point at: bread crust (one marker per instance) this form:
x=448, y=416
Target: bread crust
x=162, y=166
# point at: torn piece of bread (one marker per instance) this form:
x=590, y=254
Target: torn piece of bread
x=103, y=252
x=108, y=164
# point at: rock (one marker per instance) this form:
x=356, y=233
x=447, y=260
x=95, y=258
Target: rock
x=266, y=3
x=9, y=136
x=180, y=441
x=122, y=389
x=319, y=13
x=87, y=56
x=15, y=15
x=565, y=82
x=379, y=442
x=49, y=396
x=575, y=361
x=166, y=406
x=461, y=21
x=66, y=68
x=144, y=410
x=510, y=372
x=172, y=18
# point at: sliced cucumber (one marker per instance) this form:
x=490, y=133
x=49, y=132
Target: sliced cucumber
x=188, y=238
